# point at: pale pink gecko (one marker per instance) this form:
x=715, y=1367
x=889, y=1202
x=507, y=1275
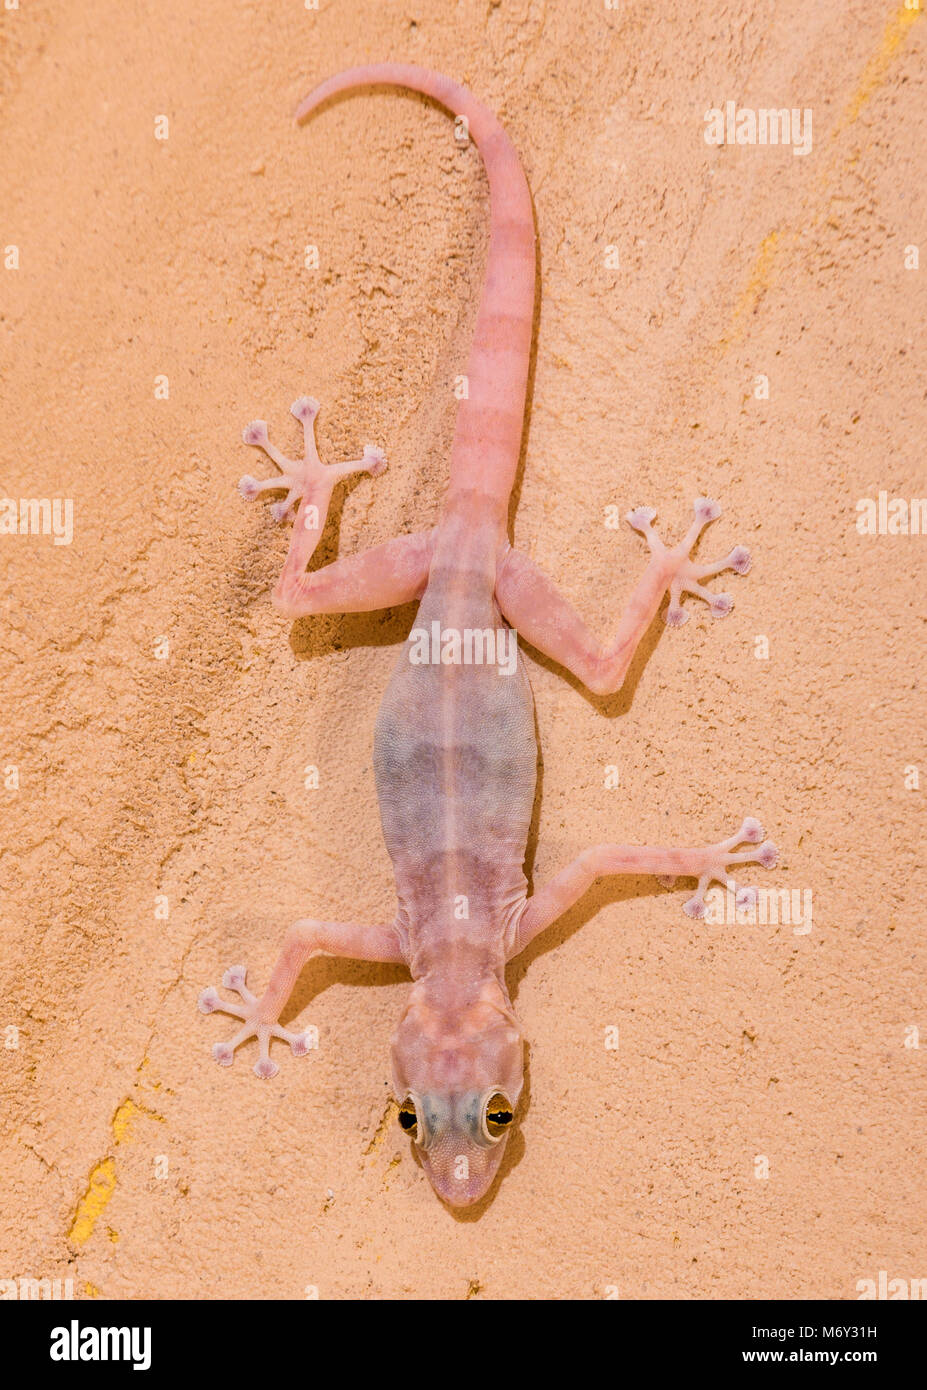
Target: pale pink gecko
x=455, y=750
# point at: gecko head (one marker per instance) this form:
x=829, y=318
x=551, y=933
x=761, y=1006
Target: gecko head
x=458, y=1070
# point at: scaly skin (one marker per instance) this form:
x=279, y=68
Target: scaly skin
x=455, y=752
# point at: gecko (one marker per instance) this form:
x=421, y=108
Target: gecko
x=455, y=748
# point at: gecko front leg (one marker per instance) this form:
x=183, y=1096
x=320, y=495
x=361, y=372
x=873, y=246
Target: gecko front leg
x=389, y=574
x=309, y=483
x=706, y=865
x=305, y=938
x=542, y=616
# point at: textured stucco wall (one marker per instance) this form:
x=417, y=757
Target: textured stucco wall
x=183, y=777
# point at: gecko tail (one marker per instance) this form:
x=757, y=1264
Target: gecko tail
x=490, y=416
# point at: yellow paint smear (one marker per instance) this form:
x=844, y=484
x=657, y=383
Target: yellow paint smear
x=102, y=1183
x=775, y=243
x=91, y=1206
x=123, y=1118
x=384, y=1127
x=874, y=73
x=760, y=277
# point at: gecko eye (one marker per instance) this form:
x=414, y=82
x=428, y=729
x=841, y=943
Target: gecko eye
x=408, y=1118
x=499, y=1115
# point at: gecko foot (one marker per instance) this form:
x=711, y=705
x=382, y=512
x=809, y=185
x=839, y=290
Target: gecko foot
x=685, y=575
x=716, y=859
x=308, y=475
x=210, y=1001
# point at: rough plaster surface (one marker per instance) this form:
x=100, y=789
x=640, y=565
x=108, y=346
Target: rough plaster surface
x=184, y=777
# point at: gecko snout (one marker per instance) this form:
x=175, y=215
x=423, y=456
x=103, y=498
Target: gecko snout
x=461, y=1138
x=459, y=1122
x=458, y=1072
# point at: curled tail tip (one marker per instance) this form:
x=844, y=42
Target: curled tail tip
x=341, y=82
x=396, y=74
x=314, y=99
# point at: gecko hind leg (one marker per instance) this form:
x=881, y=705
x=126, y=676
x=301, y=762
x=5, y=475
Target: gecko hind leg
x=685, y=573
x=707, y=865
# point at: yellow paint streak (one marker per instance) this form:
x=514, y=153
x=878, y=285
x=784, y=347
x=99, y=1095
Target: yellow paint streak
x=123, y=1119
x=776, y=244
x=91, y=1206
x=383, y=1128
x=759, y=279
x=102, y=1181
x=91, y=1290
x=876, y=70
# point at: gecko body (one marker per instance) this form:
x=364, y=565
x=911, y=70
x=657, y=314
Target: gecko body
x=455, y=748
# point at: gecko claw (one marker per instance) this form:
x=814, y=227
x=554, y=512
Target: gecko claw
x=641, y=517
x=255, y=433
x=751, y=830
x=720, y=605
x=209, y=1000
x=306, y=408
x=768, y=855
x=706, y=509
x=374, y=460
x=695, y=907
